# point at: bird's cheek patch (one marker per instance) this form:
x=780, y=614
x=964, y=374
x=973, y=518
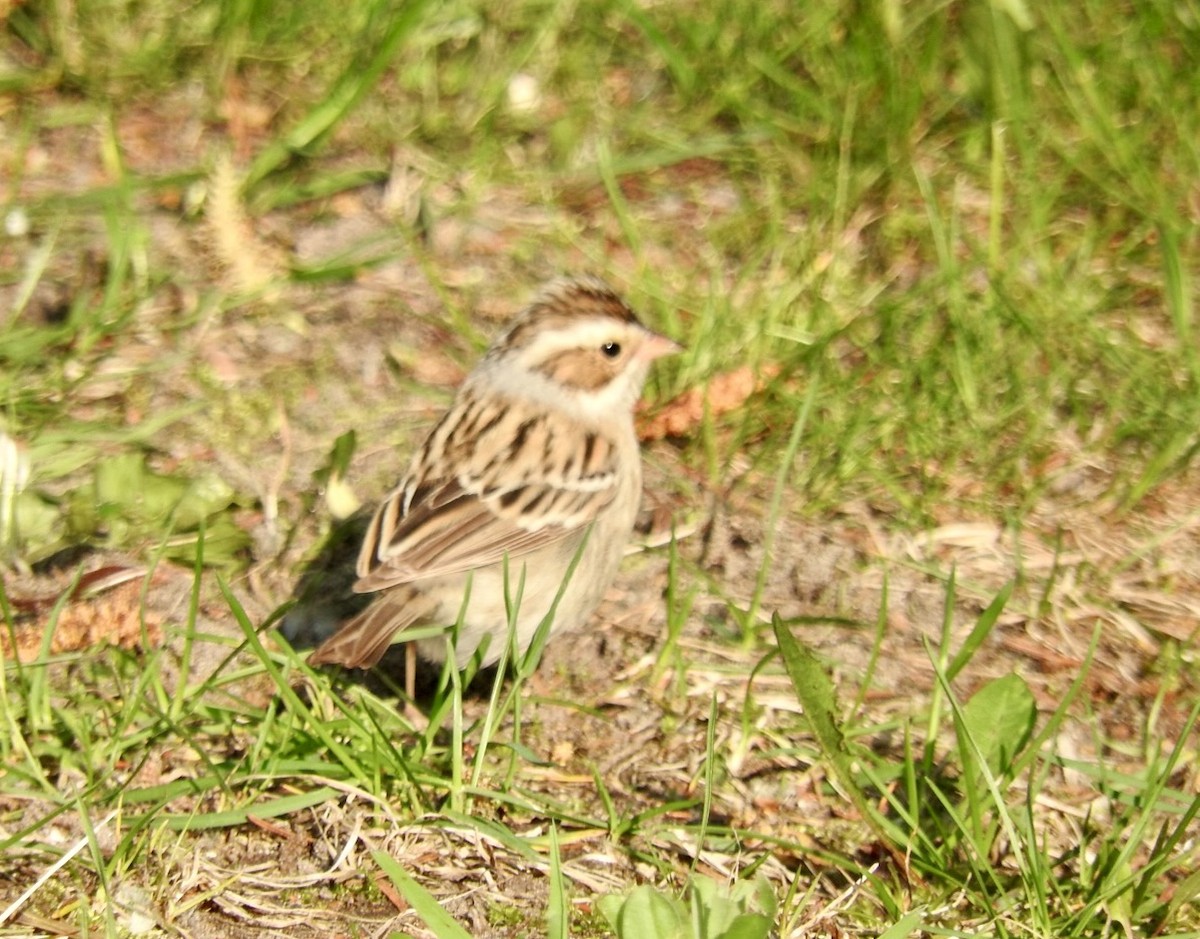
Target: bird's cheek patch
x=582, y=369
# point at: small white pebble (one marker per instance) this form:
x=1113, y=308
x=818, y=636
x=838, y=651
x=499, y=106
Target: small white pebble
x=524, y=94
x=16, y=223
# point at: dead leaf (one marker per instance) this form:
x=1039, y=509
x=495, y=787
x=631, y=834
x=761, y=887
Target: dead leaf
x=115, y=617
x=724, y=393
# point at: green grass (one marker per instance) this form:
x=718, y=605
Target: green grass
x=957, y=241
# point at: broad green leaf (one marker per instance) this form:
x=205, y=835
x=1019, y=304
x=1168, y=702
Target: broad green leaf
x=127, y=502
x=645, y=914
x=38, y=525
x=817, y=696
x=224, y=543
x=204, y=497
x=747, y=926
x=1000, y=717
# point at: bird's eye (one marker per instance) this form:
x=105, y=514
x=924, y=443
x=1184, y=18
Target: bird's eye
x=611, y=349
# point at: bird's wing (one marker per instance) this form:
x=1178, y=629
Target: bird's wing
x=362, y=641
x=491, y=481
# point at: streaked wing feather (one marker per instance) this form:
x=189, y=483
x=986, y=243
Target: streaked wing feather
x=362, y=641
x=460, y=536
x=532, y=491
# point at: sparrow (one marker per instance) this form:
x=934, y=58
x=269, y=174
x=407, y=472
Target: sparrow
x=534, y=468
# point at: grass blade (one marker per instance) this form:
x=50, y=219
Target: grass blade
x=426, y=905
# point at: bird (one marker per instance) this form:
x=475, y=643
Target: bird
x=526, y=488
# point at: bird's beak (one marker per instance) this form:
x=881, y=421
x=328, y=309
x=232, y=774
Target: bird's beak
x=656, y=346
